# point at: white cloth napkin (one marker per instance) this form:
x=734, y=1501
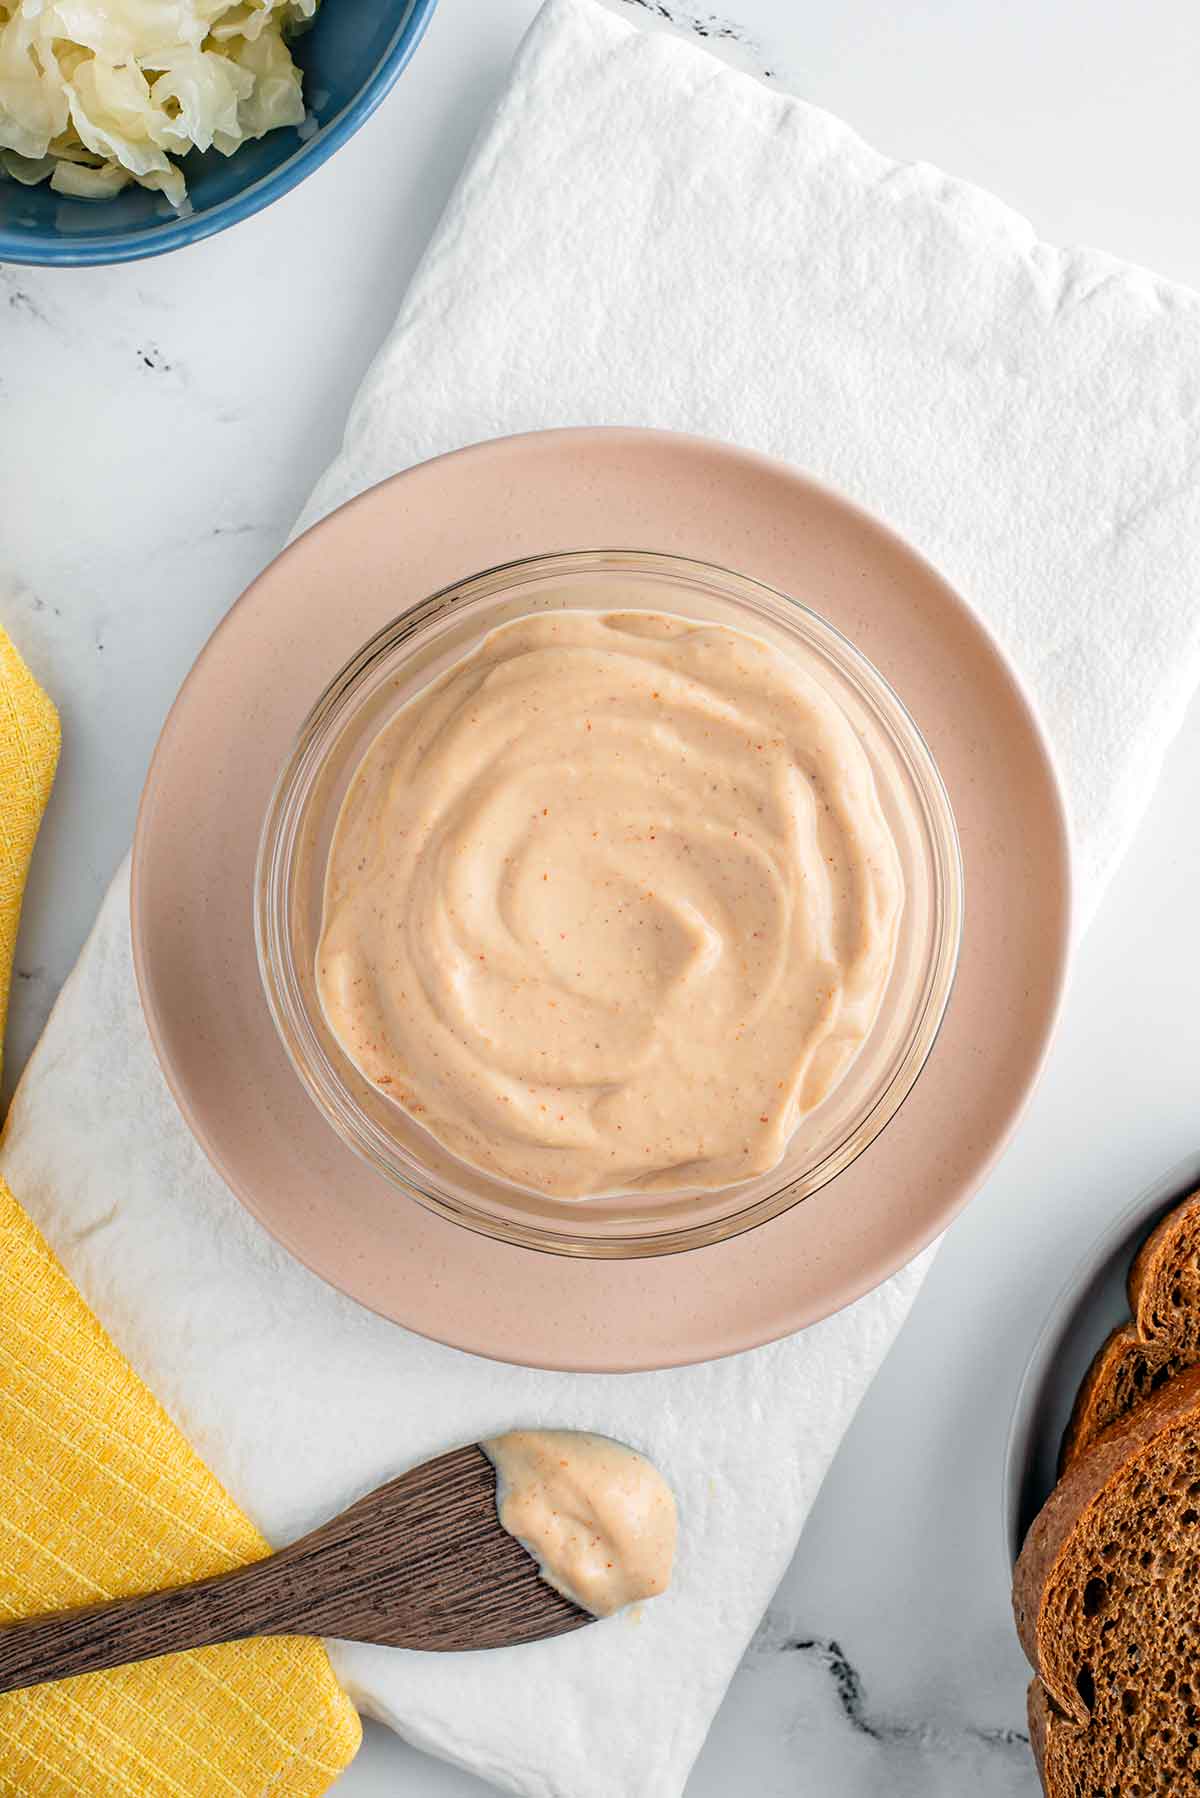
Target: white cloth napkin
x=645, y=237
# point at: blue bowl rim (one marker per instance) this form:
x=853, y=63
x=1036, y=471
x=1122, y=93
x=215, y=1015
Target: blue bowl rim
x=191, y=228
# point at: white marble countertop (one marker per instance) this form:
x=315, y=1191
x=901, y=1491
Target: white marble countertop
x=163, y=423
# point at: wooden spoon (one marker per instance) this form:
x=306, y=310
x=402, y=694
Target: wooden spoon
x=420, y=1563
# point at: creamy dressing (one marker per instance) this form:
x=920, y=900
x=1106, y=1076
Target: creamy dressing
x=611, y=904
x=597, y=1517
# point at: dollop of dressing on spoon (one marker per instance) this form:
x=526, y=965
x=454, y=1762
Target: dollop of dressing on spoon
x=597, y=1517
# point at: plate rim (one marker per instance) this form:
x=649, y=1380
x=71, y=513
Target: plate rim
x=1122, y=1233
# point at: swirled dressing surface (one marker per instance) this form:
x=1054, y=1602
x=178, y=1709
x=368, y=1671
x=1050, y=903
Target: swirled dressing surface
x=597, y=1517
x=611, y=904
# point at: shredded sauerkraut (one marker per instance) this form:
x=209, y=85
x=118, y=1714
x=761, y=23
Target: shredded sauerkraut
x=97, y=93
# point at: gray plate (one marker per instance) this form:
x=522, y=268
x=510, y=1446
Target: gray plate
x=1091, y=1304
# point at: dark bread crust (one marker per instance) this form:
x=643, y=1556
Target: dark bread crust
x=1160, y=1341
x=1038, y=1710
x=1098, y=1509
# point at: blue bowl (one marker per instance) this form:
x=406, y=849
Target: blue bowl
x=350, y=57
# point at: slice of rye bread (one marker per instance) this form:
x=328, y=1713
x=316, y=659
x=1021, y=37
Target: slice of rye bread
x=1161, y=1339
x=1105, y=1597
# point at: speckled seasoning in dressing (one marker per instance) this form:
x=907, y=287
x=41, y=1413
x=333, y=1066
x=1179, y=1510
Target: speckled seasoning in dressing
x=597, y=1517
x=611, y=904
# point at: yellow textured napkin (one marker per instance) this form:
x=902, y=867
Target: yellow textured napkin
x=29, y=744
x=100, y=1495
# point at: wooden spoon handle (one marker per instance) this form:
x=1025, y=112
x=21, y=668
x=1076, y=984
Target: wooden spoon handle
x=386, y=1570
x=225, y=1608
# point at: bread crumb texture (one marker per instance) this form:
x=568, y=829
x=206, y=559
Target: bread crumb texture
x=1106, y=1603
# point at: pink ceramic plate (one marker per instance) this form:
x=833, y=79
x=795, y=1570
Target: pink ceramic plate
x=235, y=720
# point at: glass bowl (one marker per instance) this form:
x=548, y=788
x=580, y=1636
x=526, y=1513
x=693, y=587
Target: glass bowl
x=289, y=892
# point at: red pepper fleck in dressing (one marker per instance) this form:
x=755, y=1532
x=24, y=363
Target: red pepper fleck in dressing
x=597, y=1517
x=611, y=904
